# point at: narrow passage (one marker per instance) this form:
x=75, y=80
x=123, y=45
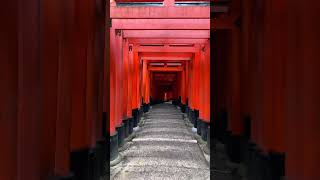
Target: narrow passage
x=163, y=148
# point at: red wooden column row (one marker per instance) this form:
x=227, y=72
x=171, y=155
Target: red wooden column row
x=195, y=81
x=204, y=83
x=302, y=91
x=190, y=83
x=119, y=77
x=262, y=72
x=278, y=81
x=126, y=75
x=183, y=85
x=38, y=71
x=112, y=121
x=133, y=72
x=146, y=82
x=147, y=93
x=130, y=81
x=137, y=78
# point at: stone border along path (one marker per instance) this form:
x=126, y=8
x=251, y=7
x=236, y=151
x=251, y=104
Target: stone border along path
x=163, y=148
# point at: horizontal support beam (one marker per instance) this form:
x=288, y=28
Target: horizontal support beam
x=166, y=49
x=170, y=34
x=167, y=41
x=171, y=69
x=175, y=54
x=160, y=12
x=160, y=24
x=166, y=58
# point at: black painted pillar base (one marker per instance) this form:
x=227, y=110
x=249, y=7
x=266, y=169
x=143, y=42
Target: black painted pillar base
x=199, y=123
x=204, y=130
x=196, y=118
x=94, y=164
x=121, y=134
x=148, y=107
x=191, y=115
x=114, y=146
x=70, y=177
x=135, y=114
x=183, y=108
x=208, y=138
x=102, y=151
x=277, y=165
x=126, y=127
x=131, y=124
x=140, y=114
x=83, y=164
x=187, y=110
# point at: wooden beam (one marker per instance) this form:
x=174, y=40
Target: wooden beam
x=161, y=23
x=166, y=58
x=158, y=54
x=165, y=49
x=167, y=41
x=170, y=34
x=193, y=12
x=171, y=69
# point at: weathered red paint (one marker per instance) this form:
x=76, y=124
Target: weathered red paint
x=170, y=12
x=166, y=41
x=162, y=69
x=161, y=24
x=169, y=34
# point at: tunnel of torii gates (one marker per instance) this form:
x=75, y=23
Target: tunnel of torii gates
x=57, y=109
x=156, y=57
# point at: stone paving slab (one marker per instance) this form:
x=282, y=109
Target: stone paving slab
x=162, y=149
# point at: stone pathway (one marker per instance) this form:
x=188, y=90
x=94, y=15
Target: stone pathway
x=163, y=149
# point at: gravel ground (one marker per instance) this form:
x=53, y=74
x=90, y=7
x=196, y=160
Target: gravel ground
x=163, y=148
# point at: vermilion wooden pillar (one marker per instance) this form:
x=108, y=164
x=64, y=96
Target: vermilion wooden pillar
x=202, y=93
x=79, y=130
x=100, y=43
x=275, y=59
x=112, y=83
x=125, y=100
x=136, y=65
x=118, y=74
x=190, y=74
x=147, y=93
x=187, y=82
x=183, y=85
x=195, y=79
x=206, y=94
x=302, y=124
x=9, y=73
x=144, y=79
x=29, y=90
x=146, y=82
x=130, y=81
x=235, y=122
x=134, y=87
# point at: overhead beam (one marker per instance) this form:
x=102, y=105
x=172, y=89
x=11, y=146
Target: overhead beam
x=169, y=34
x=175, y=54
x=193, y=12
x=166, y=58
x=166, y=49
x=166, y=69
x=161, y=24
x=167, y=41
x=160, y=56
